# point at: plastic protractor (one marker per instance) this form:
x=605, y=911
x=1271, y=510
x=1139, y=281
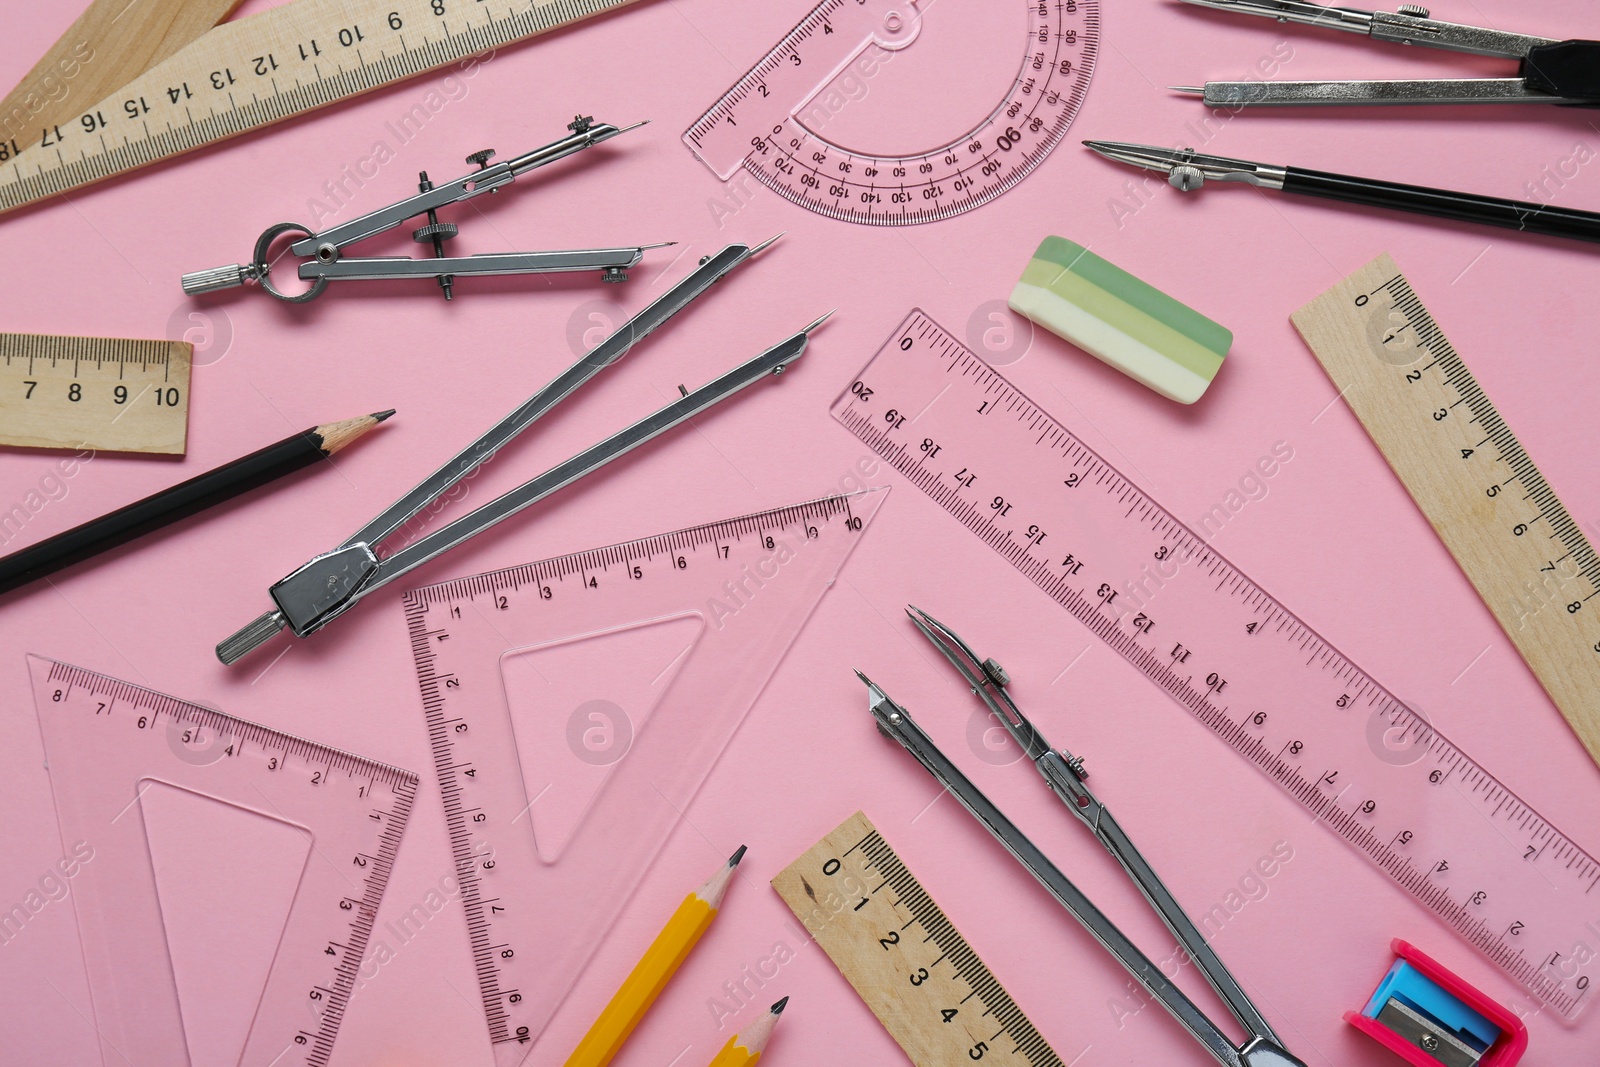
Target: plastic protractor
x=835, y=117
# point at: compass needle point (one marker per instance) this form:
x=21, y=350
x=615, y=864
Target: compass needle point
x=323, y=253
x=325, y=587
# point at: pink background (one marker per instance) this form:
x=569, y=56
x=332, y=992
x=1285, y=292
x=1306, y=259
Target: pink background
x=1337, y=538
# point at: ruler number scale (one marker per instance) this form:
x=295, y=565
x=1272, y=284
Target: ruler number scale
x=1267, y=684
x=746, y=584
x=1446, y=441
x=107, y=742
x=901, y=953
x=771, y=121
x=257, y=70
x=101, y=393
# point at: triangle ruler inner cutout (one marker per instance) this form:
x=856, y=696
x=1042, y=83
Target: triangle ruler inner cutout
x=236, y=872
x=574, y=707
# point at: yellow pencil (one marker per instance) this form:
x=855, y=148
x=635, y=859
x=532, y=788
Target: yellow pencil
x=651, y=974
x=743, y=1049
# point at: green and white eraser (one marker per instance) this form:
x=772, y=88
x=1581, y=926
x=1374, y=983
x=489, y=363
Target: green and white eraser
x=1121, y=320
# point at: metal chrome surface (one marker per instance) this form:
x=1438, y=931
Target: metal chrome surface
x=1194, y=166
x=1399, y=93
x=374, y=267
x=323, y=252
x=327, y=586
x=1398, y=27
x=1259, y=1050
x=1409, y=25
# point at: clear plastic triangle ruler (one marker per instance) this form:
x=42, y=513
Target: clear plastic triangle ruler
x=785, y=123
x=1428, y=816
x=148, y=781
x=574, y=707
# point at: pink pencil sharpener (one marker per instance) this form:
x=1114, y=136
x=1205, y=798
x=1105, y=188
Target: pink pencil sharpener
x=1429, y=1017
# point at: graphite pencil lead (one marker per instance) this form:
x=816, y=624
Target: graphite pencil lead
x=733, y=860
x=336, y=435
x=777, y=1009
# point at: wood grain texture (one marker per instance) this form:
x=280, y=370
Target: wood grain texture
x=110, y=44
x=1509, y=532
x=903, y=956
x=101, y=393
x=260, y=69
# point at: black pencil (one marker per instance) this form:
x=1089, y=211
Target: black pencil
x=182, y=500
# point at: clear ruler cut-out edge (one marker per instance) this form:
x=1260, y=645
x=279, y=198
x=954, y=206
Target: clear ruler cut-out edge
x=110, y=394
x=868, y=941
x=1504, y=830
x=258, y=70
x=510, y=995
x=186, y=760
x=898, y=189
x=1500, y=531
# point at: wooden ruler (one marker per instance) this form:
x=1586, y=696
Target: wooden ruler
x=1428, y=816
x=1466, y=470
x=103, y=393
x=249, y=73
x=906, y=960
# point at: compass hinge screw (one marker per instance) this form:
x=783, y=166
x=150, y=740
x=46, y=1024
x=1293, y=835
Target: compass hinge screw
x=481, y=158
x=435, y=233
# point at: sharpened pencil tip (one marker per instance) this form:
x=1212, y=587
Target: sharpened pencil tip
x=382, y=416
x=733, y=860
x=863, y=677
x=777, y=1009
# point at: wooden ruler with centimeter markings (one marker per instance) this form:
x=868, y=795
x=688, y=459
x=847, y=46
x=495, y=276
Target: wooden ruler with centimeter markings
x=1468, y=473
x=1427, y=815
x=102, y=393
x=907, y=960
x=255, y=71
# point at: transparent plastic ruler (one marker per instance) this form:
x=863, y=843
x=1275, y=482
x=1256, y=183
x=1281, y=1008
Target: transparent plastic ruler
x=774, y=122
x=1359, y=760
x=574, y=707
x=139, y=778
